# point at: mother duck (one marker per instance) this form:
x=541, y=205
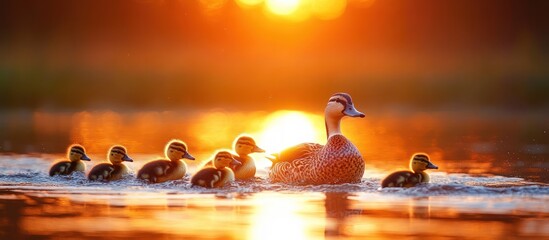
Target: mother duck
x=337, y=162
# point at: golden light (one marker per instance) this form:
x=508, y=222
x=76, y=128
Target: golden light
x=328, y=9
x=248, y=3
x=284, y=129
x=278, y=218
x=282, y=7
x=300, y=10
x=212, y=7
x=363, y=3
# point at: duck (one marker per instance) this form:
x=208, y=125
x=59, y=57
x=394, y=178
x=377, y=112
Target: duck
x=336, y=162
x=219, y=175
x=75, y=155
x=163, y=170
x=243, y=146
x=418, y=164
x=114, y=170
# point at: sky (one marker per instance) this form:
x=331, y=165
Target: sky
x=273, y=54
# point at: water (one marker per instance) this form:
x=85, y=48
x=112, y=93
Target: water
x=492, y=181
x=452, y=206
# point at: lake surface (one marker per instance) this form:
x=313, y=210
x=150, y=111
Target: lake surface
x=492, y=182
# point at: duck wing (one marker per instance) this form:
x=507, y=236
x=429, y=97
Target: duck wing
x=62, y=168
x=102, y=171
x=207, y=177
x=154, y=169
x=299, y=151
x=401, y=179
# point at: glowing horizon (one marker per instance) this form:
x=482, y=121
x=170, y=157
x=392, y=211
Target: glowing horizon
x=301, y=10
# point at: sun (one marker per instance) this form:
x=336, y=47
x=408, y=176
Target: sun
x=284, y=129
x=282, y=7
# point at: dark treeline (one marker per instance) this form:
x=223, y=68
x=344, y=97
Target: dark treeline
x=148, y=92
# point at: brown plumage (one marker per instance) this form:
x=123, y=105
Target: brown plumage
x=163, y=170
x=243, y=146
x=75, y=155
x=339, y=161
x=113, y=170
x=334, y=163
x=418, y=164
x=217, y=176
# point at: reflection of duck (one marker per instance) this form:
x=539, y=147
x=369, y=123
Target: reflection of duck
x=163, y=170
x=217, y=176
x=339, y=161
x=75, y=154
x=418, y=164
x=243, y=146
x=114, y=170
x=337, y=208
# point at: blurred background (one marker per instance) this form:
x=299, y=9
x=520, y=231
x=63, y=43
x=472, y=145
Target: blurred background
x=61, y=54
x=459, y=79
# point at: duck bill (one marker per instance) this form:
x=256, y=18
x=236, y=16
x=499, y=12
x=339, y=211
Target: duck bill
x=431, y=166
x=85, y=158
x=127, y=159
x=272, y=157
x=188, y=156
x=257, y=149
x=351, y=111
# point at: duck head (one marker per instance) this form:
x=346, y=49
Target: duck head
x=177, y=149
x=118, y=154
x=224, y=159
x=340, y=105
x=245, y=145
x=420, y=162
x=76, y=153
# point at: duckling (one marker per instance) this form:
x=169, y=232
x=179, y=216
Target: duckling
x=219, y=175
x=76, y=154
x=114, y=170
x=163, y=170
x=418, y=164
x=243, y=146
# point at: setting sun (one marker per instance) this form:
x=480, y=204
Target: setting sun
x=287, y=128
x=282, y=7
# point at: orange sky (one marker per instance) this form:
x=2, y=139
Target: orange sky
x=206, y=47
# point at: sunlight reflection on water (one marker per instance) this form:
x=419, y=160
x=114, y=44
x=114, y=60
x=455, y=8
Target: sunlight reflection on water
x=272, y=215
x=514, y=145
x=35, y=205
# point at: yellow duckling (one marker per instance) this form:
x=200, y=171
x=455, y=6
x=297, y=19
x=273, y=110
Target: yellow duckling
x=114, y=170
x=418, y=164
x=164, y=170
x=219, y=175
x=337, y=162
x=76, y=154
x=243, y=146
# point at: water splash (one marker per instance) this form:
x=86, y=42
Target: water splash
x=30, y=173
